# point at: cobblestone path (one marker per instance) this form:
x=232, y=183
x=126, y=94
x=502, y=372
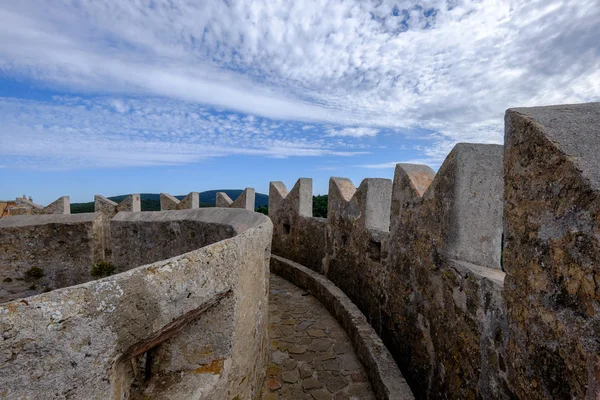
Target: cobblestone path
x=311, y=355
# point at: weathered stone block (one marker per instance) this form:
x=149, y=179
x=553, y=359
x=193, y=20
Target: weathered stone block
x=191, y=326
x=45, y=252
x=27, y=207
x=168, y=202
x=297, y=235
x=245, y=200
x=551, y=250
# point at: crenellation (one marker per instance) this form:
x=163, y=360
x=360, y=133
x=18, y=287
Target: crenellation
x=245, y=200
x=409, y=185
x=24, y=206
x=370, y=203
x=294, y=227
x=168, y=202
x=551, y=251
x=297, y=201
x=109, y=208
x=482, y=280
x=196, y=300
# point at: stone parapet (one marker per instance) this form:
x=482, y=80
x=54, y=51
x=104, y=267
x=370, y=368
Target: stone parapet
x=245, y=200
x=418, y=255
x=168, y=202
x=191, y=325
x=62, y=205
x=45, y=252
x=295, y=229
x=552, y=250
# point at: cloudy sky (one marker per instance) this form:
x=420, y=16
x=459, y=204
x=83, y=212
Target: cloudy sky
x=111, y=97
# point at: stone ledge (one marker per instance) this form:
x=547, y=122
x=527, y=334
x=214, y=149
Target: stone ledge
x=385, y=377
x=18, y=221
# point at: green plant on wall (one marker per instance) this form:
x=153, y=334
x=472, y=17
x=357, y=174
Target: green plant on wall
x=102, y=269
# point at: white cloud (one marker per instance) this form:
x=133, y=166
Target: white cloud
x=353, y=132
x=448, y=66
x=73, y=132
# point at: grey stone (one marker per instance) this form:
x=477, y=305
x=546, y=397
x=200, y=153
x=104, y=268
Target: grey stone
x=319, y=345
x=202, y=311
x=337, y=383
x=245, y=200
x=311, y=383
x=290, y=376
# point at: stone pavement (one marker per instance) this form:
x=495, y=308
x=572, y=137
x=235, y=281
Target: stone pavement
x=311, y=356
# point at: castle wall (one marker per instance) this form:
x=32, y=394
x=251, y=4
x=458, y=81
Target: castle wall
x=297, y=234
x=482, y=279
x=191, y=326
x=44, y=252
x=245, y=200
x=142, y=238
x=27, y=207
x=108, y=209
x=444, y=314
x=551, y=250
x=168, y=202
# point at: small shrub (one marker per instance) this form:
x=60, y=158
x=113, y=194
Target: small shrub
x=34, y=273
x=8, y=280
x=102, y=269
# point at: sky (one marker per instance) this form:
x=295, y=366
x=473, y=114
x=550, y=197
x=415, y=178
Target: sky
x=114, y=97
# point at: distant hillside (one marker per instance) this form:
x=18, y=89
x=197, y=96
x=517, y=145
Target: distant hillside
x=151, y=201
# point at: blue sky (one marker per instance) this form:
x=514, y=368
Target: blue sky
x=114, y=97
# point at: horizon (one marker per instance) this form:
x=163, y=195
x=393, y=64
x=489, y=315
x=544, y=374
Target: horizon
x=102, y=97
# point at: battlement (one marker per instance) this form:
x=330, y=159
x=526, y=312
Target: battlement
x=109, y=208
x=168, y=202
x=245, y=200
x=482, y=279
x=426, y=258
x=23, y=206
x=190, y=281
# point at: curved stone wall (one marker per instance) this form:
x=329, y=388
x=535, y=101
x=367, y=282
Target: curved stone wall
x=190, y=326
x=483, y=280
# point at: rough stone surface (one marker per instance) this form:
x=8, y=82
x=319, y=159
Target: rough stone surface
x=296, y=230
x=141, y=238
x=63, y=247
x=168, y=202
x=297, y=379
x=552, y=250
x=191, y=326
x=434, y=286
x=436, y=270
x=245, y=200
x=381, y=370
x=26, y=207
x=108, y=209
x=356, y=223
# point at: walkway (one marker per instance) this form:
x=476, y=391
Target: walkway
x=311, y=356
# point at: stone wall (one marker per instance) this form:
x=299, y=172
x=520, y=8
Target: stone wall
x=190, y=326
x=443, y=313
x=551, y=252
x=424, y=257
x=297, y=234
x=168, y=202
x=27, y=207
x=420, y=257
x=245, y=200
x=108, y=209
x=44, y=252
